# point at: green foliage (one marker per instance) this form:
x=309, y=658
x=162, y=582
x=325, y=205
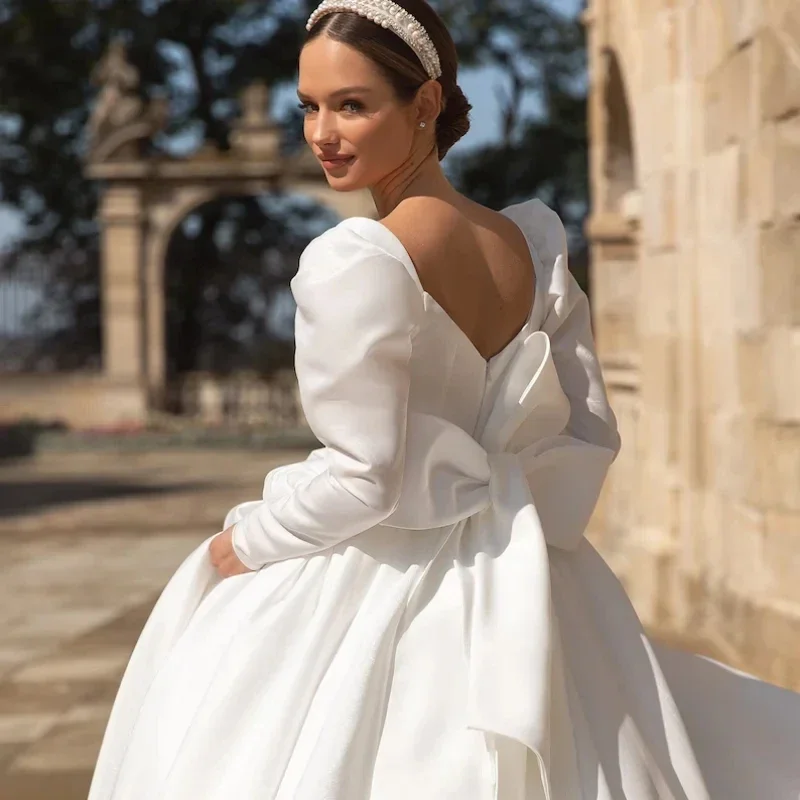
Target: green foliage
x=201, y=54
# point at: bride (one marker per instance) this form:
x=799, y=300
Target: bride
x=413, y=611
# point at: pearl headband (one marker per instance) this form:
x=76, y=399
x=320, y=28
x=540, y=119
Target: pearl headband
x=388, y=15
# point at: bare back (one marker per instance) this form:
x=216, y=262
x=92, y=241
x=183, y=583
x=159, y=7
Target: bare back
x=474, y=262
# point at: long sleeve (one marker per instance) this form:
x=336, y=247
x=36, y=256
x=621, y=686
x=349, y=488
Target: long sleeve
x=568, y=323
x=357, y=312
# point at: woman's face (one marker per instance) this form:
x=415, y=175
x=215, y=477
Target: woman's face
x=354, y=123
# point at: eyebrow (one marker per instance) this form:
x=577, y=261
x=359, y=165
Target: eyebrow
x=340, y=92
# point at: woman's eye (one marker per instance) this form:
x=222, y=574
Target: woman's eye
x=351, y=107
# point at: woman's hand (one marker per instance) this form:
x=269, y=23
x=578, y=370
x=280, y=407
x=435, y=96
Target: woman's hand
x=223, y=557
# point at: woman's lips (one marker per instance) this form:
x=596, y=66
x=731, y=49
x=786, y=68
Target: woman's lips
x=336, y=163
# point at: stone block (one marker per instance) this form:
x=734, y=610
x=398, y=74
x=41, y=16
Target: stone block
x=729, y=439
x=690, y=553
x=658, y=279
x=777, y=12
x=122, y=206
x=688, y=412
x=746, y=19
x=787, y=167
x=615, y=285
x=655, y=517
x=731, y=101
x=659, y=372
x=644, y=581
x=718, y=375
x=654, y=442
x=777, y=458
x=712, y=536
x=617, y=339
x=659, y=223
x=743, y=530
x=662, y=134
x=617, y=512
x=687, y=204
x=784, y=375
x=760, y=159
x=781, y=554
x=780, y=274
x=778, y=73
x=753, y=371
x=720, y=211
x=745, y=276
x=661, y=32
x=710, y=42
x=122, y=347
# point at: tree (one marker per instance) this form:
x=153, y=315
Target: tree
x=202, y=54
x=544, y=154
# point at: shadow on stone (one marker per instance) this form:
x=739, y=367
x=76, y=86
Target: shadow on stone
x=21, y=497
x=18, y=440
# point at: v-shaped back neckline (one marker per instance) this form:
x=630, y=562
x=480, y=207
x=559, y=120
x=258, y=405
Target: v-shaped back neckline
x=408, y=262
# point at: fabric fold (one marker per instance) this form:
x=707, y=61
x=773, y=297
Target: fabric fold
x=507, y=486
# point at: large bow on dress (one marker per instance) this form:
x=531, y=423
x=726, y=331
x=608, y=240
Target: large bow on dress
x=520, y=485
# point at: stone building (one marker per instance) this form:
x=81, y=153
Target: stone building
x=695, y=233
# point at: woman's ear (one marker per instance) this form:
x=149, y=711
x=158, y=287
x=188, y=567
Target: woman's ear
x=429, y=102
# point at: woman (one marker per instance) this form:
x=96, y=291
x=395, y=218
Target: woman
x=413, y=612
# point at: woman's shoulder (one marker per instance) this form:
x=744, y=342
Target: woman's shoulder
x=543, y=228
x=356, y=245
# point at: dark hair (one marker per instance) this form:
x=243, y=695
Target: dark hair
x=400, y=64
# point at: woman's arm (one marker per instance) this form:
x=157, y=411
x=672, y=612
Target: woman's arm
x=357, y=311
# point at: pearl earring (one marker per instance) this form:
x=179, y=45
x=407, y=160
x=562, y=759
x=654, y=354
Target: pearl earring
x=422, y=124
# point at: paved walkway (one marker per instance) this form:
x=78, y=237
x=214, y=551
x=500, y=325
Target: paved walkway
x=87, y=542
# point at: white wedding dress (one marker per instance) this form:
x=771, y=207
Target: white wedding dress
x=429, y=622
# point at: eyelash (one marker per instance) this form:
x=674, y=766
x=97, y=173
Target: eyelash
x=307, y=107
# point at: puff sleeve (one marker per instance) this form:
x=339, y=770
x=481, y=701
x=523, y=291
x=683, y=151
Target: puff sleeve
x=568, y=323
x=358, y=309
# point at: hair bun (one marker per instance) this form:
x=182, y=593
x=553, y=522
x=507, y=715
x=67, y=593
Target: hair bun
x=453, y=121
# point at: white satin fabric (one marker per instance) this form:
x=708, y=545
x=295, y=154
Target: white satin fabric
x=426, y=619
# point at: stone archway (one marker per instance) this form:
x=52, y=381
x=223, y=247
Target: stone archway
x=614, y=235
x=613, y=230
x=145, y=198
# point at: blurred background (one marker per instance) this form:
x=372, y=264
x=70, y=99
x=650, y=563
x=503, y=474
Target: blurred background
x=155, y=196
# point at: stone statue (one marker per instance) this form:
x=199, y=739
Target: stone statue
x=118, y=103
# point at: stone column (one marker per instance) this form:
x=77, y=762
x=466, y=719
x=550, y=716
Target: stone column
x=121, y=243
x=155, y=354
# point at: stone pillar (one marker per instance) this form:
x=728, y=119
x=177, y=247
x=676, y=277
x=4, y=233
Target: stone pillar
x=613, y=231
x=155, y=322
x=121, y=244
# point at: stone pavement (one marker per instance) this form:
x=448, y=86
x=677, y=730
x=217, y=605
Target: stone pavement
x=88, y=541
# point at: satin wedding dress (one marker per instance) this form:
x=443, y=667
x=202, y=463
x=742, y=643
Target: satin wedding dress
x=427, y=621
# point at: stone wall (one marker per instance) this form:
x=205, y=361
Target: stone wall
x=76, y=400
x=696, y=270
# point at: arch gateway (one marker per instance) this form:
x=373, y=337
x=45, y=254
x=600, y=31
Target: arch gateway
x=695, y=236
x=144, y=198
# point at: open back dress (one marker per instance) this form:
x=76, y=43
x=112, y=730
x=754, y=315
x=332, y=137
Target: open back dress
x=426, y=620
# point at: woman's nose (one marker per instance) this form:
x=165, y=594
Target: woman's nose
x=324, y=129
